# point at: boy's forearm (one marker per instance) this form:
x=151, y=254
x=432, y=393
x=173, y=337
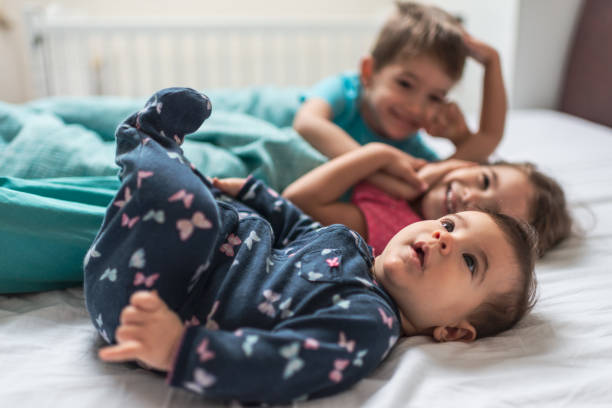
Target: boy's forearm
x=478, y=146
x=328, y=182
x=325, y=136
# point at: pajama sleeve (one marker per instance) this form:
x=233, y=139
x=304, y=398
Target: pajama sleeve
x=301, y=358
x=287, y=221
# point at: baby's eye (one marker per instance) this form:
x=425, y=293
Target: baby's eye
x=485, y=182
x=448, y=225
x=470, y=262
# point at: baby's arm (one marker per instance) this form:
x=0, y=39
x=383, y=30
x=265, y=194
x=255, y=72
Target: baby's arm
x=450, y=122
x=313, y=121
x=317, y=192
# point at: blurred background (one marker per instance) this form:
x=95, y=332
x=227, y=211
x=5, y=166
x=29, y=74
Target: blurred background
x=44, y=50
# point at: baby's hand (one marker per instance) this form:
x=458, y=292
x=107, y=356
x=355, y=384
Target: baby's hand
x=449, y=123
x=230, y=186
x=149, y=333
x=479, y=50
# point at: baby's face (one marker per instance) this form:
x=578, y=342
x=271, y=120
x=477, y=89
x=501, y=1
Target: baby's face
x=439, y=271
x=499, y=188
x=402, y=97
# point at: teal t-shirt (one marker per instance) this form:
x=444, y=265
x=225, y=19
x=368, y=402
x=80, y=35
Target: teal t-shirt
x=342, y=92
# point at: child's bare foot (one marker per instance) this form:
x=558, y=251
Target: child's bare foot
x=149, y=332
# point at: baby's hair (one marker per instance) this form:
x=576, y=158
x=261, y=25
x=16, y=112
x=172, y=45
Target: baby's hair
x=416, y=29
x=548, y=212
x=503, y=310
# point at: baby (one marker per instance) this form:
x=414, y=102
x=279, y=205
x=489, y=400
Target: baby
x=247, y=298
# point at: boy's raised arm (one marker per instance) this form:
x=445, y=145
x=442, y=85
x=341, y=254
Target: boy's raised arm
x=494, y=104
x=313, y=122
x=451, y=123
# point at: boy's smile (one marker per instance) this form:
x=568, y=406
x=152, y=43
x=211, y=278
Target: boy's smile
x=438, y=271
x=401, y=97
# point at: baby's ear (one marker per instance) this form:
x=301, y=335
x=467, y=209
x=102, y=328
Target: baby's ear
x=463, y=331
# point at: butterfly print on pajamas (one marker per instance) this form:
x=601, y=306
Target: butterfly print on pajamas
x=186, y=227
x=228, y=247
x=127, y=196
x=143, y=175
x=141, y=279
x=182, y=195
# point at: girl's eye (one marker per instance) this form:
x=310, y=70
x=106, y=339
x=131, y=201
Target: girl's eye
x=448, y=225
x=485, y=182
x=404, y=84
x=470, y=262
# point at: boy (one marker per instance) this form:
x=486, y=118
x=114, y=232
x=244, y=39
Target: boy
x=276, y=307
x=401, y=88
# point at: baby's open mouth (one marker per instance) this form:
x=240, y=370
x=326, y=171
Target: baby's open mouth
x=418, y=249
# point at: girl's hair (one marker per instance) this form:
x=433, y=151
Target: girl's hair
x=416, y=29
x=548, y=212
x=503, y=310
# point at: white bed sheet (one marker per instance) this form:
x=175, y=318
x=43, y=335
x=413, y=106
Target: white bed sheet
x=560, y=355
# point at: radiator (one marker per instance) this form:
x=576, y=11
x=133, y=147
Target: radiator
x=135, y=56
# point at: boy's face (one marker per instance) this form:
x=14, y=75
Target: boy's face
x=499, y=188
x=401, y=97
x=439, y=271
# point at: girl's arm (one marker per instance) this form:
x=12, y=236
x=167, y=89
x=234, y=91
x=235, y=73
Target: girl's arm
x=313, y=121
x=450, y=123
x=317, y=192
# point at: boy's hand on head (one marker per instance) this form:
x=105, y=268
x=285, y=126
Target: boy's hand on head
x=479, y=50
x=149, y=333
x=230, y=186
x=449, y=123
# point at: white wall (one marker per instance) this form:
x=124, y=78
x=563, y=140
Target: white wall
x=531, y=36
x=545, y=33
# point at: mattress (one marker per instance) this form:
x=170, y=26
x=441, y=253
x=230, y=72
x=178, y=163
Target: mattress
x=559, y=355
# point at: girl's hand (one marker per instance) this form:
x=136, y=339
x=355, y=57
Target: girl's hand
x=449, y=123
x=149, y=333
x=230, y=186
x=434, y=172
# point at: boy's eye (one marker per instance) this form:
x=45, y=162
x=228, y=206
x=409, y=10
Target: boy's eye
x=448, y=225
x=470, y=262
x=436, y=99
x=485, y=182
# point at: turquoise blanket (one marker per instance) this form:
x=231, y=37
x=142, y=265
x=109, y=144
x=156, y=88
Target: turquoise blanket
x=57, y=171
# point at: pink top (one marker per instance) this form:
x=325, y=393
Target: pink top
x=385, y=215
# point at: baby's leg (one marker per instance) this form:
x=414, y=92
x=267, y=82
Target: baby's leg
x=160, y=231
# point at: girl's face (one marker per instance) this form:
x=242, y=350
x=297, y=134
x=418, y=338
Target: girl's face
x=400, y=98
x=498, y=188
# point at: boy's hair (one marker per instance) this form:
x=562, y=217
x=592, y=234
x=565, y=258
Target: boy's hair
x=416, y=29
x=503, y=310
x=548, y=212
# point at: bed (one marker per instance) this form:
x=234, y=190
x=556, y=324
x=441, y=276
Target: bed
x=560, y=355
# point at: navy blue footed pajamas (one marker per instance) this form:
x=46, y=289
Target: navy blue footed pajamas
x=276, y=307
